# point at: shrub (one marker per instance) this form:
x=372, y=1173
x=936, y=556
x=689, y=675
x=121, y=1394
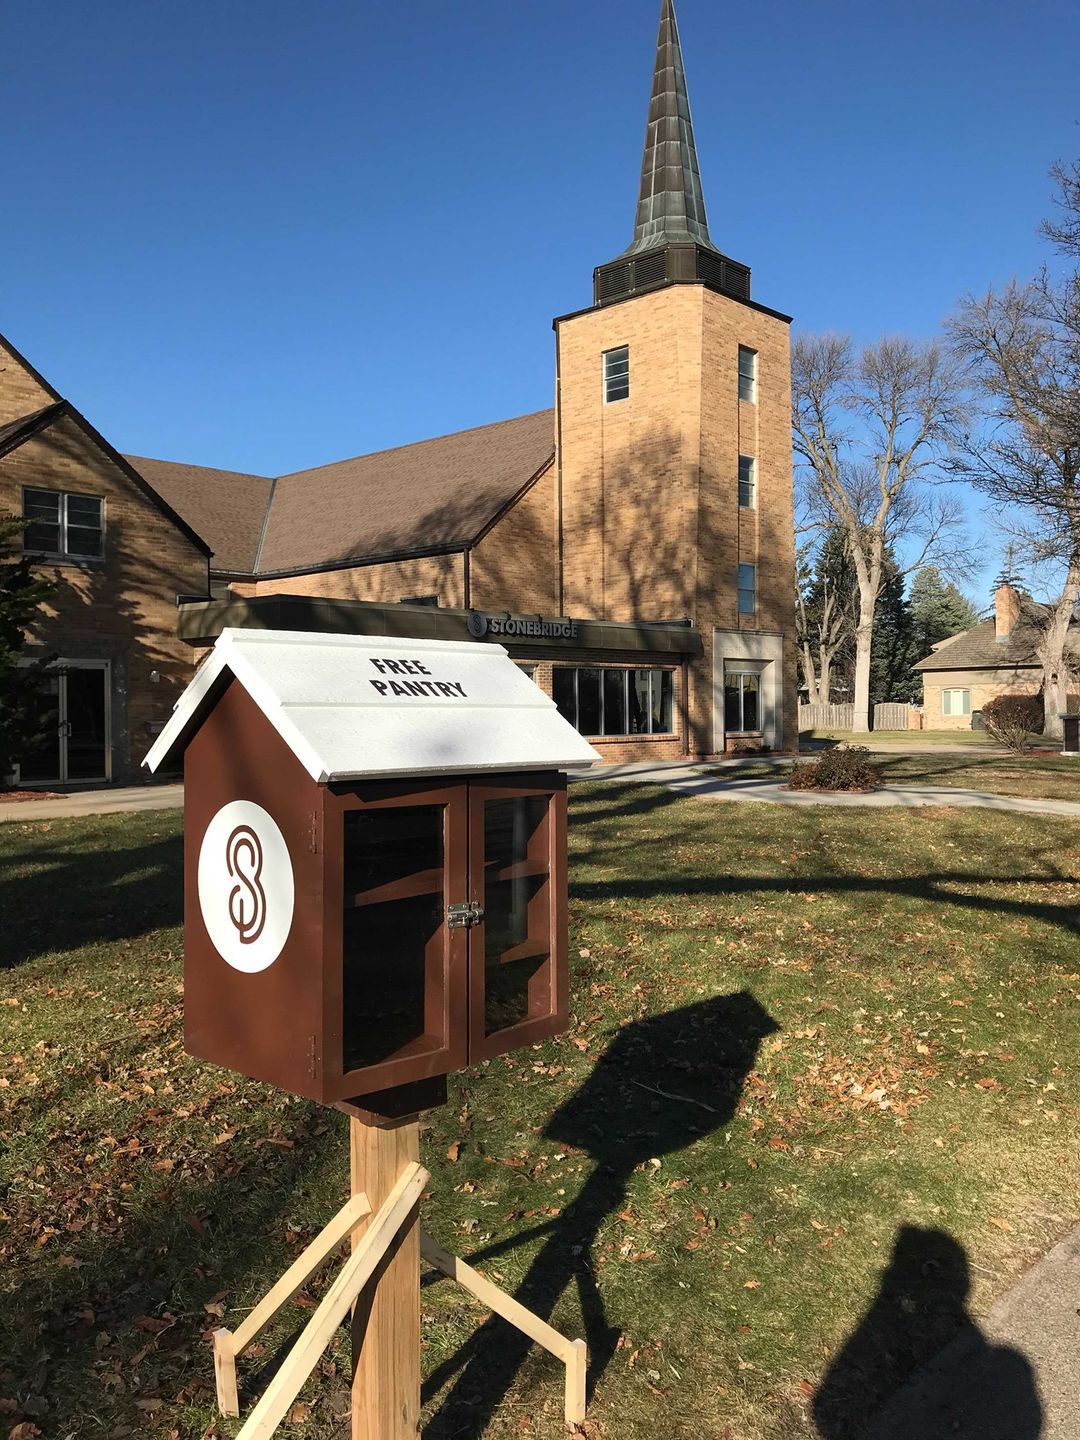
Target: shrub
x=847, y=767
x=1013, y=720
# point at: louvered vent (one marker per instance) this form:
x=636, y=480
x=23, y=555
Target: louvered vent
x=616, y=281
x=650, y=270
x=674, y=263
x=723, y=274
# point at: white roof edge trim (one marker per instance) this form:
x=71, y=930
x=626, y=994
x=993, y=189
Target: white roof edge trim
x=352, y=750
x=188, y=702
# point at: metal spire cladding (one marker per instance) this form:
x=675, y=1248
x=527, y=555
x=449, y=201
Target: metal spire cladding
x=671, y=244
x=671, y=205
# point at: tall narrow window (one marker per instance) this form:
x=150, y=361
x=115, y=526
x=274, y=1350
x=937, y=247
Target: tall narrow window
x=741, y=710
x=747, y=482
x=616, y=374
x=61, y=524
x=747, y=373
x=747, y=589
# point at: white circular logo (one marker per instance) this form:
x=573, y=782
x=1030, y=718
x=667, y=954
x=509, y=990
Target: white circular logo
x=246, y=889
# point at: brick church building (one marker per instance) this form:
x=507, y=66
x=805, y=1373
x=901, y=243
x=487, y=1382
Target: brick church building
x=632, y=547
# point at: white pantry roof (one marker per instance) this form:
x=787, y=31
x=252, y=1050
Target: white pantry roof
x=361, y=706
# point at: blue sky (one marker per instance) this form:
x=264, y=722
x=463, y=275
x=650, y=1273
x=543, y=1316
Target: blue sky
x=265, y=235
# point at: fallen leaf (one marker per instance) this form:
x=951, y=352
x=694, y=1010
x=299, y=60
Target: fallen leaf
x=454, y=1151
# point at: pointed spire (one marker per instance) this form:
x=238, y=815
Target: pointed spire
x=671, y=206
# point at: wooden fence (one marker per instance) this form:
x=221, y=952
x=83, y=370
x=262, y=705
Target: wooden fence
x=826, y=717
x=892, y=716
x=889, y=716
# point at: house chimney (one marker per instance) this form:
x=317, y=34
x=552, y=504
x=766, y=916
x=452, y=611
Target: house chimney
x=1006, y=611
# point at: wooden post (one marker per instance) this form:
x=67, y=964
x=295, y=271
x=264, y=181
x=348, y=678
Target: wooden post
x=386, y=1318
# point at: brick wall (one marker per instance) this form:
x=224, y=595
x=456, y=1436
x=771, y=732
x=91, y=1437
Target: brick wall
x=651, y=522
x=20, y=393
x=123, y=608
x=515, y=565
x=442, y=575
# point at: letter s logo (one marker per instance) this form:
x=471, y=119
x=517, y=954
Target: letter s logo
x=244, y=854
x=247, y=890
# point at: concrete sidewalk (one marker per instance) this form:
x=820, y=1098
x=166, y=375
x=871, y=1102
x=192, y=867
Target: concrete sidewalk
x=697, y=781
x=1014, y=1376
x=95, y=802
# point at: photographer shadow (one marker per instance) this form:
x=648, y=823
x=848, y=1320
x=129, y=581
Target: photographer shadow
x=917, y=1367
x=663, y=1083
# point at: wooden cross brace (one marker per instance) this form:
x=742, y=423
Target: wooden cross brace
x=396, y=1214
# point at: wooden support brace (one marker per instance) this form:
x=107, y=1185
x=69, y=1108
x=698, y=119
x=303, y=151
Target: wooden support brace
x=334, y=1306
x=572, y=1353
x=229, y=1345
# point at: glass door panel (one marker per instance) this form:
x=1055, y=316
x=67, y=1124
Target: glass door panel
x=42, y=762
x=394, y=933
x=517, y=921
x=85, y=724
x=514, y=881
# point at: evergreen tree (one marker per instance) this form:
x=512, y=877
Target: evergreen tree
x=828, y=604
x=21, y=683
x=893, y=644
x=938, y=610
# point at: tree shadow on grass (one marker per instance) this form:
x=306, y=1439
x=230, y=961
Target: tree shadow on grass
x=97, y=1320
x=663, y=1082
x=111, y=882
x=974, y=1391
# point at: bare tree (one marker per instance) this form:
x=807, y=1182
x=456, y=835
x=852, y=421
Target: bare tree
x=1022, y=349
x=870, y=429
x=824, y=613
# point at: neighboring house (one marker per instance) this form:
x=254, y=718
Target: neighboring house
x=633, y=547
x=997, y=657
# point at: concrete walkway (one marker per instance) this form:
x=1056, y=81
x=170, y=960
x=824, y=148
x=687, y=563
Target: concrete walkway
x=95, y=802
x=1013, y=1376
x=696, y=781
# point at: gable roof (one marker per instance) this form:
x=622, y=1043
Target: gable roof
x=435, y=494
x=18, y=432
x=337, y=703
x=980, y=649
x=226, y=506
x=428, y=497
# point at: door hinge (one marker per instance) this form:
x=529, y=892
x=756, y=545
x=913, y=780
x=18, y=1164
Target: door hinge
x=313, y=833
x=461, y=917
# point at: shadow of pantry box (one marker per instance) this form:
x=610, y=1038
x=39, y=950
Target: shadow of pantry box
x=374, y=856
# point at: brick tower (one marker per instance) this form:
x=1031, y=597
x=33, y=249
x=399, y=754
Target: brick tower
x=674, y=444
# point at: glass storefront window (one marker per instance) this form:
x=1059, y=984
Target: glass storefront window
x=613, y=700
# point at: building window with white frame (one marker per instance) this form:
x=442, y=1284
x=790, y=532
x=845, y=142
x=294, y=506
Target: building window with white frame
x=747, y=482
x=747, y=589
x=956, y=702
x=742, y=697
x=68, y=526
x=616, y=374
x=747, y=373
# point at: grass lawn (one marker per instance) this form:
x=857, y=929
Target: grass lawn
x=798, y=1037
x=1049, y=777
x=976, y=738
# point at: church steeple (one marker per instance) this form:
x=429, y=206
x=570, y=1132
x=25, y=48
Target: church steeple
x=671, y=233
x=671, y=206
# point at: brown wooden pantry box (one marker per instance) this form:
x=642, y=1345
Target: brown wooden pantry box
x=375, y=858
